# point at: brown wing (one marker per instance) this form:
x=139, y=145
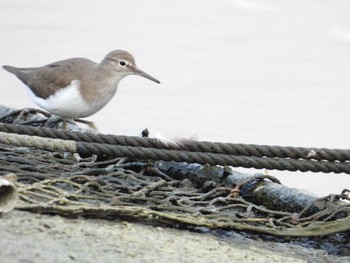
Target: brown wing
x=45, y=81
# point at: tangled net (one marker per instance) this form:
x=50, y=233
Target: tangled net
x=58, y=183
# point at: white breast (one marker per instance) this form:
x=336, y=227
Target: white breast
x=66, y=102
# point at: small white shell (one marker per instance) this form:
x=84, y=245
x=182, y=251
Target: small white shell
x=8, y=195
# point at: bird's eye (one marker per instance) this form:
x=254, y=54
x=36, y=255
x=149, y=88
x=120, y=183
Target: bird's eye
x=122, y=63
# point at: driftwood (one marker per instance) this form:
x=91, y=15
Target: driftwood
x=260, y=189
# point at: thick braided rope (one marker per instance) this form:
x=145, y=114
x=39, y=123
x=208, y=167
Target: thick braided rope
x=331, y=155
x=213, y=158
x=38, y=142
x=87, y=149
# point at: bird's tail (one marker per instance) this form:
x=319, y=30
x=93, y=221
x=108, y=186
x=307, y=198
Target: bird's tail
x=10, y=69
x=24, y=74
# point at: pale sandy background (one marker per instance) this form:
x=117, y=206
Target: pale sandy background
x=265, y=72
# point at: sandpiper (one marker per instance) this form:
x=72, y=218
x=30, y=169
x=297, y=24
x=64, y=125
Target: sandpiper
x=77, y=87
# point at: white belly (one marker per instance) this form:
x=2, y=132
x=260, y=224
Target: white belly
x=68, y=103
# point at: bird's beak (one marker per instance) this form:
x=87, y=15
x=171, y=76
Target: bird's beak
x=145, y=75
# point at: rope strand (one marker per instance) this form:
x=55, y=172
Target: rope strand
x=319, y=154
x=211, y=158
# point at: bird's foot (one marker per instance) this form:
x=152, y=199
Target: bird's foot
x=58, y=123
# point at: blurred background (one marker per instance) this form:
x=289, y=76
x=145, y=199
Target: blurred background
x=241, y=71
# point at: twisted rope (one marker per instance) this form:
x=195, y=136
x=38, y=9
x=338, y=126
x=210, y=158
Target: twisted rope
x=250, y=150
x=87, y=149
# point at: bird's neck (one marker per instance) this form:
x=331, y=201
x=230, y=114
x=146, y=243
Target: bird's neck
x=100, y=85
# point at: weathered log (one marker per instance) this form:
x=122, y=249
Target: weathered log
x=254, y=188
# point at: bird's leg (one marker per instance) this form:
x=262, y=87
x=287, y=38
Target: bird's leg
x=26, y=111
x=64, y=124
x=31, y=116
